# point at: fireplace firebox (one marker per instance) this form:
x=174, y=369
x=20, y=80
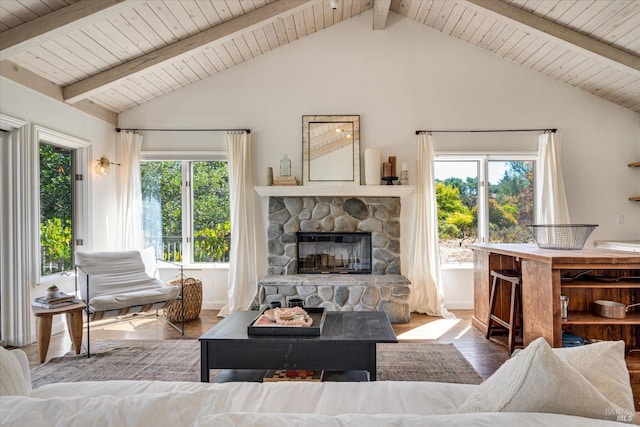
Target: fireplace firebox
x=327, y=253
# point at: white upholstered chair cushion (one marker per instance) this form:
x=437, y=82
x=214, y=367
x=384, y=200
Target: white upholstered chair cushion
x=148, y=256
x=15, y=379
x=135, y=298
x=121, y=279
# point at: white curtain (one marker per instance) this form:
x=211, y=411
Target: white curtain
x=243, y=277
x=424, y=263
x=19, y=219
x=128, y=192
x=551, y=200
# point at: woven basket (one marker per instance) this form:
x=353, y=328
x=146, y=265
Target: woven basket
x=192, y=294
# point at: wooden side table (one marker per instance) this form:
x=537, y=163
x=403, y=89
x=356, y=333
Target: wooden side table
x=44, y=321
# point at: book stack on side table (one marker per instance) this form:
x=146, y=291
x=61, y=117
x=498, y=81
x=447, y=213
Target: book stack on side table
x=54, y=302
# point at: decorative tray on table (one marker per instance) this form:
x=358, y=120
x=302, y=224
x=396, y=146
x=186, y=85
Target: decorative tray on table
x=264, y=325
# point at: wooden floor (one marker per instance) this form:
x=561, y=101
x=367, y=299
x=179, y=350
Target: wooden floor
x=485, y=356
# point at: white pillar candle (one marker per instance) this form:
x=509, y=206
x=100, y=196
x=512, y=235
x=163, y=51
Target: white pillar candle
x=372, y=166
x=405, y=166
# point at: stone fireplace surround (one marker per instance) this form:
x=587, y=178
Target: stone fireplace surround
x=384, y=290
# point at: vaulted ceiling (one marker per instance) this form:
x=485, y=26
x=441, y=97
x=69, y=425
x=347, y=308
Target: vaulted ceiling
x=107, y=56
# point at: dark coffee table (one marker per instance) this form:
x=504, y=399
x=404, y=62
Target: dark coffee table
x=347, y=343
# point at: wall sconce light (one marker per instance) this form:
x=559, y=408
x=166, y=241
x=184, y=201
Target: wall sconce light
x=333, y=4
x=102, y=168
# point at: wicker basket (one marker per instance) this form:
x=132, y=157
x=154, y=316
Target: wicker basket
x=561, y=236
x=192, y=294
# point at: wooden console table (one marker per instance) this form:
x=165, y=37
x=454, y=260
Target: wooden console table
x=583, y=275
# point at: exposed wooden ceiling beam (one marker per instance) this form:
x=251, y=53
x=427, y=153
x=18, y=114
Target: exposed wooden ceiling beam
x=59, y=22
x=26, y=78
x=608, y=54
x=380, y=13
x=219, y=33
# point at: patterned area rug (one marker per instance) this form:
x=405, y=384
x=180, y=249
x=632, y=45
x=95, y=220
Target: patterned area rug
x=179, y=360
x=441, y=363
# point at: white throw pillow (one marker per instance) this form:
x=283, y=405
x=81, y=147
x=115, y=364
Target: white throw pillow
x=538, y=380
x=12, y=380
x=603, y=365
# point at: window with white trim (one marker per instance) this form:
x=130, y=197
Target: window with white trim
x=482, y=198
x=63, y=200
x=185, y=207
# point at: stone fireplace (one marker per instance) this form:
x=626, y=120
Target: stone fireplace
x=382, y=290
x=379, y=216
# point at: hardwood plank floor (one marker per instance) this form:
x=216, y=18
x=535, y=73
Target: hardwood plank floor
x=485, y=356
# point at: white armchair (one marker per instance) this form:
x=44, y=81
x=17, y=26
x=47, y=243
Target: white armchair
x=120, y=283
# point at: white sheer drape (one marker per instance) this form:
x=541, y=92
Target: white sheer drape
x=551, y=203
x=424, y=263
x=243, y=276
x=19, y=219
x=128, y=192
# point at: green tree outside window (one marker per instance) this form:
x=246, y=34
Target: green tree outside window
x=56, y=232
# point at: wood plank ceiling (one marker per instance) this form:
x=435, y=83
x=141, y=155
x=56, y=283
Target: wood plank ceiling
x=108, y=56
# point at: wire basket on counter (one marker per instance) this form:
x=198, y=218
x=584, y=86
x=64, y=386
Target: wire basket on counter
x=561, y=236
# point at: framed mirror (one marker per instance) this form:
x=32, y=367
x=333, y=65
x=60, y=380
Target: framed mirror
x=330, y=150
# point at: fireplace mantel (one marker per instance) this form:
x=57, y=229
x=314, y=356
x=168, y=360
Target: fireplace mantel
x=335, y=190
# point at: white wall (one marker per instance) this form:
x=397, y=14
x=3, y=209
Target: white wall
x=410, y=77
x=457, y=282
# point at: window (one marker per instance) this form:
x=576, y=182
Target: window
x=56, y=209
x=185, y=206
x=63, y=200
x=482, y=199
x=510, y=200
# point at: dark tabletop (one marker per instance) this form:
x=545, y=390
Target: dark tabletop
x=346, y=326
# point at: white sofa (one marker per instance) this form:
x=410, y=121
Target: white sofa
x=156, y=403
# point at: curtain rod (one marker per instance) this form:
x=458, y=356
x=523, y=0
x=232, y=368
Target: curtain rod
x=185, y=130
x=418, y=132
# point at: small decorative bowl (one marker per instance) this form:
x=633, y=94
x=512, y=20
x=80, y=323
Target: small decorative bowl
x=53, y=293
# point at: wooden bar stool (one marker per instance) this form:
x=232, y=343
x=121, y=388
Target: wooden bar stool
x=515, y=307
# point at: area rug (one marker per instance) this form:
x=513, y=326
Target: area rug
x=179, y=360
x=441, y=363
